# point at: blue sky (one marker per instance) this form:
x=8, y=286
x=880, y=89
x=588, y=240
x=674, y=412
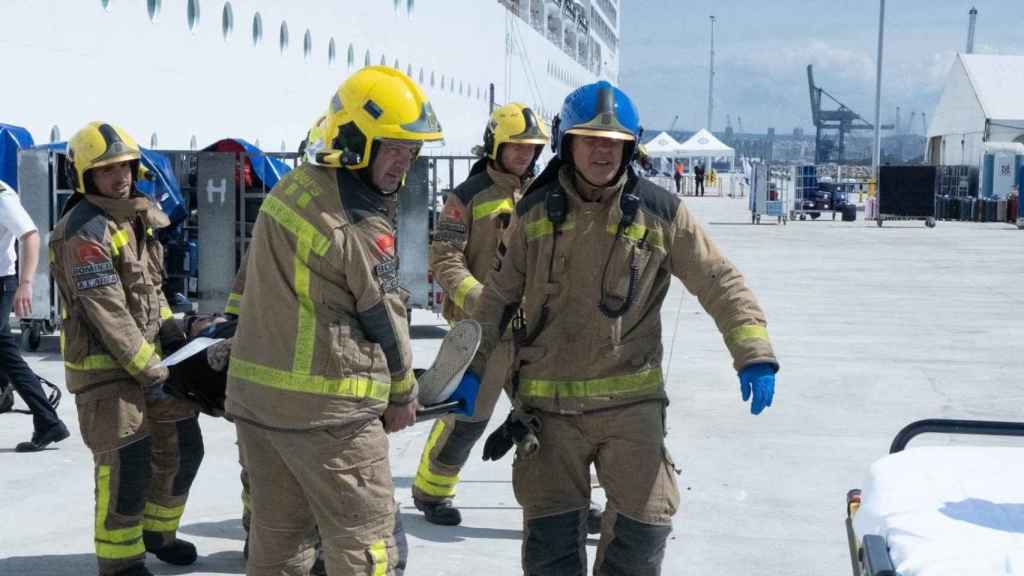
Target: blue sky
x=763, y=48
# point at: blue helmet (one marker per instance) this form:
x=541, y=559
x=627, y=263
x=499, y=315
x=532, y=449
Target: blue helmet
x=597, y=109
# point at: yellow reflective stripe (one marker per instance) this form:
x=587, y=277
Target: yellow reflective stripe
x=118, y=240
x=295, y=224
x=636, y=233
x=91, y=363
x=165, y=313
x=746, y=332
x=351, y=387
x=427, y=481
x=141, y=358
x=158, y=518
x=379, y=553
x=403, y=385
x=485, y=209
x=304, y=338
x=544, y=227
x=119, y=543
x=648, y=380
x=467, y=284
x=234, y=303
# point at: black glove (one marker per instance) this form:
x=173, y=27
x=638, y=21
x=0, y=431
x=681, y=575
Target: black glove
x=516, y=428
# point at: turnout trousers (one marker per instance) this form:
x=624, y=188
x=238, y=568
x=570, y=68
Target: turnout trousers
x=337, y=480
x=146, y=456
x=626, y=446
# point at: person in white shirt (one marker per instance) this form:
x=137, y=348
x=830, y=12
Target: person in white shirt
x=16, y=225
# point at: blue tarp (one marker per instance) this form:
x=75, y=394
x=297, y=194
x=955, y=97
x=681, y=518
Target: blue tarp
x=12, y=139
x=268, y=170
x=162, y=185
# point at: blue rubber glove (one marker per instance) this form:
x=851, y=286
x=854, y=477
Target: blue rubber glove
x=759, y=379
x=466, y=393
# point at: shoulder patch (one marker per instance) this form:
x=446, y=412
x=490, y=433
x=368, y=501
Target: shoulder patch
x=87, y=220
x=657, y=201
x=472, y=186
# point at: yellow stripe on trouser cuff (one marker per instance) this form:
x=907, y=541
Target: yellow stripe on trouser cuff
x=234, y=303
x=379, y=553
x=503, y=206
x=467, y=284
x=428, y=482
x=141, y=359
x=649, y=380
x=403, y=385
x=119, y=543
x=118, y=240
x=352, y=387
x=157, y=518
x=746, y=332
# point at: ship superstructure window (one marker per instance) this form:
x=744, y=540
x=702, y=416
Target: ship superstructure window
x=54, y=134
x=307, y=44
x=193, y=15
x=227, y=21
x=330, y=53
x=153, y=8
x=283, y=37
x=257, y=29
x=351, y=55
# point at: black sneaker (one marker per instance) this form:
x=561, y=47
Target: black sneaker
x=442, y=513
x=40, y=441
x=179, y=552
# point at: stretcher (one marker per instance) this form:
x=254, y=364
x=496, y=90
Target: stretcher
x=941, y=510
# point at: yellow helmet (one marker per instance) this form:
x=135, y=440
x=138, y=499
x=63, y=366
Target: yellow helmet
x=99, y=144
x=376, y=103
x=516, y=123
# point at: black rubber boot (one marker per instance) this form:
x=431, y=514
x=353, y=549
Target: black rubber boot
x=441, y=513
x=594, y=516
x=135, y=570
x=180, y=552
x=40, y=441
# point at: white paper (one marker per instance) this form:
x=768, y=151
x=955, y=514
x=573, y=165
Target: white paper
x=194, y=347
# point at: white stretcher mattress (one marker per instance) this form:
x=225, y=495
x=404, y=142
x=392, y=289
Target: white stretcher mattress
x=948, y=511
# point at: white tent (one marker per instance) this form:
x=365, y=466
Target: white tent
x=704, y=146
x=980, y=103
x=662, y=146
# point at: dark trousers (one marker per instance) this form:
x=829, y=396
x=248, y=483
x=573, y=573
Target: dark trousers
x=14, y=370
x=679, y=184
x=699, y=188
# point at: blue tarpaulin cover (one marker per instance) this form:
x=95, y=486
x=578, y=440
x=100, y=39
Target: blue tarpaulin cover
x=12, y=139
x=268, y=170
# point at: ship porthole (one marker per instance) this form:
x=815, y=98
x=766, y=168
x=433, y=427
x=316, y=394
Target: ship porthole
x=153, y=8
x=331, y=53
x=193, y=15
x=154, y=141
x=54, y=134
x=366, y=58
x=227, y=21
x=283, y=37
x=307, y=45
x=398, y=6
x=409, y=5
x=192, y=143
x=351, y=57
x=105, y=4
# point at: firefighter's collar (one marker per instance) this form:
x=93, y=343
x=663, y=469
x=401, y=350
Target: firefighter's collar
x=587, y=192
x=120, y=209
x=506, y=182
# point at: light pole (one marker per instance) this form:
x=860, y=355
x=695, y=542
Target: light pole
x=711, y=77
x=876, y=152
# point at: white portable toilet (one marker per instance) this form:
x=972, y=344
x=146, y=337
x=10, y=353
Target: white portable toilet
x=999, y=168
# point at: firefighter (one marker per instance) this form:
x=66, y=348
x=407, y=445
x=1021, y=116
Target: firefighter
x=476, y=214
x=590, y=255
x=322, y=348
x=108, y=264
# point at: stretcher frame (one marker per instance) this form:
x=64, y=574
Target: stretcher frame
x=870, y=556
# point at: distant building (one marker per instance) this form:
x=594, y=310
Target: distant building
x=983, y=101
